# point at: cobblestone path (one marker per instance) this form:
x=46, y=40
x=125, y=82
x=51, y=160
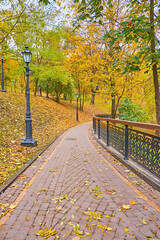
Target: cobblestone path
x=72, y=191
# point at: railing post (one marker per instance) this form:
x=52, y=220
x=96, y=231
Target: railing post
x=99, y=129
x=107, y=133
x=94, y=126
x=126, y=143
x=93, y=123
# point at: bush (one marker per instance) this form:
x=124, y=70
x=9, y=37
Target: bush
x=131, y=111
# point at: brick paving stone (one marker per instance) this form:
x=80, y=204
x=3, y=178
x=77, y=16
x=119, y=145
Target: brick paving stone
x=74, y=184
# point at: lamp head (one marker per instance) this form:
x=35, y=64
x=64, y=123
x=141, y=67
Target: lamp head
x=27, y=55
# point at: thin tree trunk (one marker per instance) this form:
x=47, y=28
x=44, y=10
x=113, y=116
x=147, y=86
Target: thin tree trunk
x=113, y=110
x=93, y=97
x=154, y=63
x=113, y=107
x=36, y=86
x=40, y=90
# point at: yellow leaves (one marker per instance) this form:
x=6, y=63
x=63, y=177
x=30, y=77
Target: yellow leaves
x=126, y=207
x=27, y=219
x=143, y=221
x=87, y=183
x=60, y=199
x=4, y=205
x=77, y=231
x=142, y=197
x=138, y=183
x=132, y=202
x=92, y=215
x=22, y=176
x=13, y=205
x=14, y=156
x=46, y=233
x=154, y=197
x=42, y=190
x=103, y=227
x=126, y=230
x=109, y=229
x=87, y=153
x=8, y=208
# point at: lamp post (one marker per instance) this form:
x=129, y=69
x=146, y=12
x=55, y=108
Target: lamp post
x=77, y=107
x=29, y=141
x=2, y=76
x=47, y=90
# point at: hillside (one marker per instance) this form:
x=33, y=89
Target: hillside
x=49, y=119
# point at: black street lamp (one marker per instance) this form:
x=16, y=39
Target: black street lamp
x=77, y=107
x=2, y=77
x=29, y=141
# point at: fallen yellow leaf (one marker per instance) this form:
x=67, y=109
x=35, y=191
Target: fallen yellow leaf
x=13, y=205
x=132, y=202
x=143, y=221
x=126, y=206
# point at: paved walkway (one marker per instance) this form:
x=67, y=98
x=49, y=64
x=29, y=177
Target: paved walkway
x=72, y=191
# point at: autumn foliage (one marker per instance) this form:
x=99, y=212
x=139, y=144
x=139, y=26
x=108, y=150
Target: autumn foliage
x=49, y=120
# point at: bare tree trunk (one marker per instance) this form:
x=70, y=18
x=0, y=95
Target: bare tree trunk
x=80, y=102
x=113, y=112
x=83, y=100
x=113, y=107
x=154, y=63
x=40, y=90
x=36, y=87
x=93, y=97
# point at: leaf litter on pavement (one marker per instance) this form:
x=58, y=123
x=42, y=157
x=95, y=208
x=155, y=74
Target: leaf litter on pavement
x=49, y=119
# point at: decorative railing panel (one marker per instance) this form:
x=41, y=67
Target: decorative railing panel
x=145, y=149
x=141, y=147
x=103, y=131
x=117, y=137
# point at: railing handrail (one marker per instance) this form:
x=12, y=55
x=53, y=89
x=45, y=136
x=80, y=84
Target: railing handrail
x=130, y=123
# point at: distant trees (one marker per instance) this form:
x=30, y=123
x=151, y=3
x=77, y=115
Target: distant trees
x=114, y=54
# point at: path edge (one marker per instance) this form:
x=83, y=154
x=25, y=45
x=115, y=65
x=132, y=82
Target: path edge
x=137, y=169
x=5, y=185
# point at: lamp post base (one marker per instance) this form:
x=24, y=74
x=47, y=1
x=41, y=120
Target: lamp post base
x=29, y=143
x=3, y=90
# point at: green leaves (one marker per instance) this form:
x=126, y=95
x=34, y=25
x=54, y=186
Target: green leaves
x=46, y=2
x=131, y=111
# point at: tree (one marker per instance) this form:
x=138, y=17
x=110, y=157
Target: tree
x=139, y=25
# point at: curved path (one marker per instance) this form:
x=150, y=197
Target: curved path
x=73, y=189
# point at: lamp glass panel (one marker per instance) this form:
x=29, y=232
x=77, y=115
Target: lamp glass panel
x=27, y=56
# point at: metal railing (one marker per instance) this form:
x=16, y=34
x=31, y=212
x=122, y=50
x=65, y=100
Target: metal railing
x=141, y=147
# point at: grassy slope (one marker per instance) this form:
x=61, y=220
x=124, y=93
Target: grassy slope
x=49, y=119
